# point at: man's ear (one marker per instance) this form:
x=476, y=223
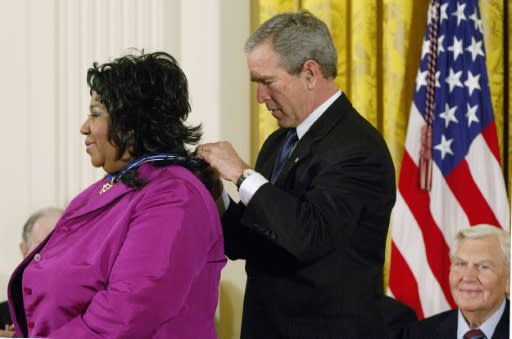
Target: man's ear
x=24, y=249
x=312, y=72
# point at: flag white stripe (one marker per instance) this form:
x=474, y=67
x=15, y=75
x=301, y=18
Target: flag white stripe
x=486, y=172
x=407, y=238
x=412, y=139
x=445, y=208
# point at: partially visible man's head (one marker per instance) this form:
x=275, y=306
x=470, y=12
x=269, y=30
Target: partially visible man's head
x=480, y=271
x=37, y=227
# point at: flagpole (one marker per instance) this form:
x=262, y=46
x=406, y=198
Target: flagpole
x=425, y=166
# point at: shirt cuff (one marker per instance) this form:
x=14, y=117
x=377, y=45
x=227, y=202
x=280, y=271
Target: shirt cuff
x=249, y=186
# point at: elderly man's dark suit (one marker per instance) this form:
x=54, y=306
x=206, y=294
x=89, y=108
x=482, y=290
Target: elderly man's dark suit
x=5, y=316
x=444, y=325
x=314, y=241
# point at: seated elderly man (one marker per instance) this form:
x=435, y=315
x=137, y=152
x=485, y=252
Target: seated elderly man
x=479, y=282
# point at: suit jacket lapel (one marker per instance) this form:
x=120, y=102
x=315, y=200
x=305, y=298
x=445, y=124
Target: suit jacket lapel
x=270, y=152
x=503, y=328
x=331, y=117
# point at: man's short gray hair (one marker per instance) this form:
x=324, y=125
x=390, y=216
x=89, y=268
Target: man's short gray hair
x=483, y=230
x=297, y=37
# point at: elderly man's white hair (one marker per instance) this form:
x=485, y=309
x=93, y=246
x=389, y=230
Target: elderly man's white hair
x=483, y=230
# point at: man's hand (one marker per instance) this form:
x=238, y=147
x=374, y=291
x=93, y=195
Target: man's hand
x=8, y=332
x=223, y=158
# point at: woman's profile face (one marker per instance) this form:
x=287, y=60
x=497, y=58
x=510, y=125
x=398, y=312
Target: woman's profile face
x=97, y=144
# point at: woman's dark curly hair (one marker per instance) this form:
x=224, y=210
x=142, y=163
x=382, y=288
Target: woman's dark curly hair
x=147, y=99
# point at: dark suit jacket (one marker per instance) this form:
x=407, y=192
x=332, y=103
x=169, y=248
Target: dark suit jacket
x=314, y=241
x=397, y=315
x=5, y=316
x=444, y=325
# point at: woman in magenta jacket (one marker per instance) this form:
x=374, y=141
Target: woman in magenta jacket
x=137, y=254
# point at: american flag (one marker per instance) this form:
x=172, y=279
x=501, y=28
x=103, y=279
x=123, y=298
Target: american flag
x=450, y=176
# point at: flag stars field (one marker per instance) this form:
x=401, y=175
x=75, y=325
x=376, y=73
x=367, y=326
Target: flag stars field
x=473, y=82
x=421, y=79
x=475, y=48
x=459, y=13
x=444, y=12
x=453, y=79
x=449, y=115
x=477, y=21
x=445, y=147
x=471, y=114
x=425, y=48
x=440, y=45
x=457, y=48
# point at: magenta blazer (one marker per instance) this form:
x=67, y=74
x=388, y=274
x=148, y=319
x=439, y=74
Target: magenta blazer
x=126, y=264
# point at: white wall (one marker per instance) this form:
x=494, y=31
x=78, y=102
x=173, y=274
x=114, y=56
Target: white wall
x=46, y=48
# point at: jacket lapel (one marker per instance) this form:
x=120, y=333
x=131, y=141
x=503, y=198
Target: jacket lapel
x=270, y=152
x=330, y=119
x=91, y=199
x=503, y=328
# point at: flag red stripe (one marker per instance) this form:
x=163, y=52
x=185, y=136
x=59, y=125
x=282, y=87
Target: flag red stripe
x=470, y=198
x=418, y=202
x=403, y=283
x=490, y=135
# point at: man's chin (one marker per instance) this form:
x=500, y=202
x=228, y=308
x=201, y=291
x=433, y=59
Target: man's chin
x=469, y=304
x=284, y=124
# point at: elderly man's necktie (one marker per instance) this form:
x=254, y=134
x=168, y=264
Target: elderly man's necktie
x=474, y=334
x=289, y=143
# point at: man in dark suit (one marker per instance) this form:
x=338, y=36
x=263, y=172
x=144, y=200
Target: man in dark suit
x=480, y=283
x=313, y=230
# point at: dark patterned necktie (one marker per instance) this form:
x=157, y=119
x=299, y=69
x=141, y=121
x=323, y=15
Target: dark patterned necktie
x=474, y=334
x=289, y=143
